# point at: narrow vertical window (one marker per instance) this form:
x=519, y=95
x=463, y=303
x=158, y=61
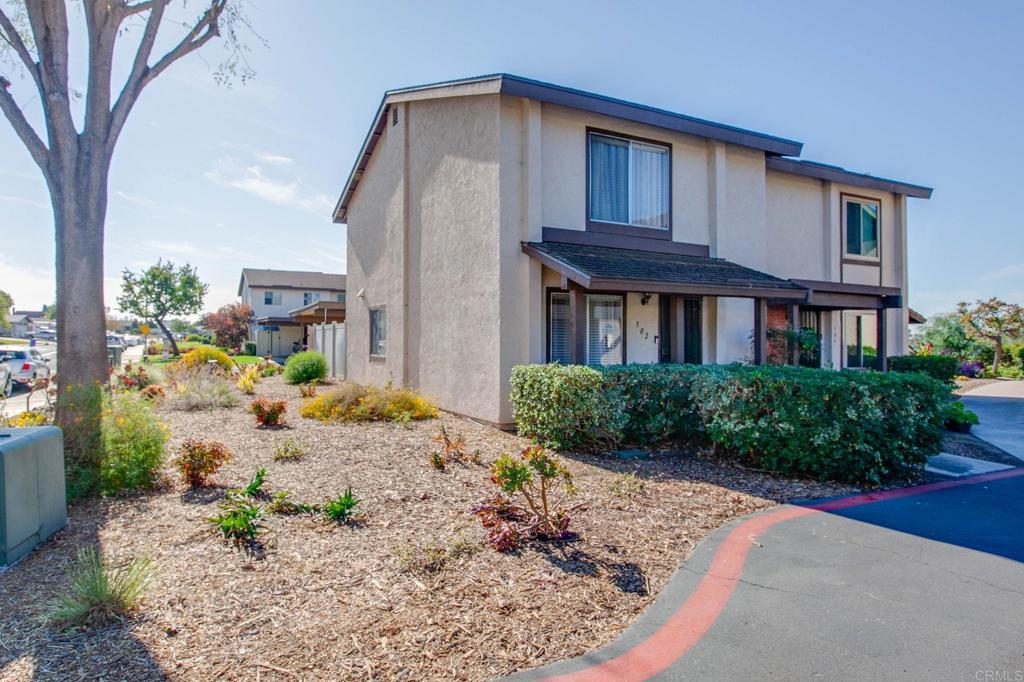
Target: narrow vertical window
x=559, y=336
x=861, y=219
x=604, y=330
x=860, y=339
x=378, y=331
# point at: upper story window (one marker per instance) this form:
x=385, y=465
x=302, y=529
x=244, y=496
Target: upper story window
x=629, y=182
x=341, y=297
x=310, y=297
x=271, y=298
x=860, y=217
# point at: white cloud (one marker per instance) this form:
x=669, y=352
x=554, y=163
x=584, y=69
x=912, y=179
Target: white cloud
x=180, y=248
x=251, y=178
x=276, y=159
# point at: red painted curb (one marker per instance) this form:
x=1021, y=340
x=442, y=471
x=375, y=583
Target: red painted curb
x=694, y=618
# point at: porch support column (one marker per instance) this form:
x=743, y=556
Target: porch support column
x=577, y=325
x=793, y=313
x=882, y=359
x=760, y=331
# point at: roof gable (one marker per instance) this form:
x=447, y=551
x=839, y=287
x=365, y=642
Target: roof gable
x=290, y=279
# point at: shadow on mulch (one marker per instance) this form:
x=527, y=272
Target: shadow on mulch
x=627, y=576
x=203, y=495
x=44, y=574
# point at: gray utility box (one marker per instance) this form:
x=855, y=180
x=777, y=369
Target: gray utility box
x=32, y=502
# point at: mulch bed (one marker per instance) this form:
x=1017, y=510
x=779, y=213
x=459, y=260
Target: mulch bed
x=336, y=603
x=967, y=445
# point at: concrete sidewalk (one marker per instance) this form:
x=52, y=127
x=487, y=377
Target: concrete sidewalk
x=914, y=584
x=1000, y=408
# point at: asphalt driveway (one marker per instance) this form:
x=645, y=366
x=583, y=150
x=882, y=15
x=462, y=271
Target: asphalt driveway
x=1000, y=407
x=923, y=583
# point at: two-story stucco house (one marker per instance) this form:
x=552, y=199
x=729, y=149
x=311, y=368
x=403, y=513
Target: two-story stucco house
x=283, y=302
x=497, y=221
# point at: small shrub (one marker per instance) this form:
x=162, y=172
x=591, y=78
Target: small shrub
x=341, y=508
x=249, y=348
x=197, y=459
x=281, y=503
x=269, y=412
x=453, y=448
x=972, y=369
x=133, y=445
x=309, y=365
x=627, y=485
x=351, y=402
x=562, y=406
x=133, y=378
x=941, y=367
x=308, y=390
x=270, y=368
x=437, y=460
x=36, y=417
x=239, y=521
x=153, y=392
x=199, y=388
x=957, y=417
x=203, y=355
x=538, y=477
x=288, y=451
x=100, y=593
x=194, y=338
x=248, y=377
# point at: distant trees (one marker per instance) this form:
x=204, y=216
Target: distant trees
x=992, y=320
x=160, y=291
x=6, y=303
x=230, y=324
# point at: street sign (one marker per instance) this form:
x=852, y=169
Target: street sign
x=144, y=329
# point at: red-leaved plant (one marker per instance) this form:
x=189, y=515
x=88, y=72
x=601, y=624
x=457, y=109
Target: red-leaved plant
x=197, y=459
x=269, y=412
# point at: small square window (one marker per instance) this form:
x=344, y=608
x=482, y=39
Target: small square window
x=378, y=331
x=341, y=297
x=271, y=298
x=309, y=297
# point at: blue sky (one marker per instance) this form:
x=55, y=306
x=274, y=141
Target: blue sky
x=926, y=92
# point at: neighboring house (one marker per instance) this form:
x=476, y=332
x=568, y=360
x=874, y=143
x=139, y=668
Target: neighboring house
x=498, y=221
x=22, y=323
x=284, y=302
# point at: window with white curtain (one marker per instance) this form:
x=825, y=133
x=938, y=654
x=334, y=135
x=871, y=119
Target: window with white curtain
x=559, y=328
x=604, y=330
x=629, y=182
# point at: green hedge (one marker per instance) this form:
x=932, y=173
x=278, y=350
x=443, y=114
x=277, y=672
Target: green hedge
x=846, y=426
x=941, y=367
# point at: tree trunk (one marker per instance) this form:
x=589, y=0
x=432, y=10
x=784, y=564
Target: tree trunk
x=79, y=197
x=169, y=336
x=998, y=356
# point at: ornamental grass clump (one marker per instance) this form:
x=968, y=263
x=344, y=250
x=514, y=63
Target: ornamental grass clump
x=100, y=593
x=248, y=377
x=301, y=368
x=197, y=459
x=543, y=483
x=199, y=388
x=351, y=402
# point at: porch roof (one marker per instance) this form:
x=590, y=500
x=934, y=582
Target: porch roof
x=605, y=268
x=319, y=312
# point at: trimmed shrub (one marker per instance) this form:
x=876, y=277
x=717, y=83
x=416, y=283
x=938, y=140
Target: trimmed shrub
x=562, y=406
x=249, y=348
x=848, y=426
x=268, y=412
x=194, y=338
x=200, y=458
x=941, y=367
x=133, y=445
x=201, y=355
x=309, y=365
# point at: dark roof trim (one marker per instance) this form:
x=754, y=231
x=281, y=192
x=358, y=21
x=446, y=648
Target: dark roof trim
x=317, y=306
x=517, y=86
x=823, y=171
x=916, y=317
x=283, y=321
x=558, y=234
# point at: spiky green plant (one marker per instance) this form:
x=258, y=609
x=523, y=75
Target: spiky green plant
x=239, y=521
x=341, y=508
x=100, y=593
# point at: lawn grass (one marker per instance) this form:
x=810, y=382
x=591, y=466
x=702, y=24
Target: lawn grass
x=6, y=341
x=186, y=346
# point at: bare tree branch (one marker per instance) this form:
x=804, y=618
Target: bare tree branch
x=204, y=30
x=40, y=154
x=10, y=34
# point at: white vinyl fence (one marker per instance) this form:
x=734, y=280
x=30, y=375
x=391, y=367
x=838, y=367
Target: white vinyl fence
x=329, y=339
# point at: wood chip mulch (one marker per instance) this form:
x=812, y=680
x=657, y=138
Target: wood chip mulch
x=327, y=602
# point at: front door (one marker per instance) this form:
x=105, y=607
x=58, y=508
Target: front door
x=693, y=331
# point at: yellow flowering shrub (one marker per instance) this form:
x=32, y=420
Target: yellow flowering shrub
x=351, y=402
x=200, y=355
x=30, y=418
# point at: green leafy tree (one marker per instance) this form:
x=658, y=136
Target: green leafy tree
x=6, y=303
x=160, y=291
x=947, y=336
x=69, y=112
x=992, y=320
x=50, y=311
x=179, y=326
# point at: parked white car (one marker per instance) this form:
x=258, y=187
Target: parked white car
x=6, y=380
x=25, y=364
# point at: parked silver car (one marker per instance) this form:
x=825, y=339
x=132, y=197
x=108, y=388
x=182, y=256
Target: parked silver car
x=25, y=364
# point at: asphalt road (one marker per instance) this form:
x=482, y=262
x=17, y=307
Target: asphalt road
x=923, y=584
